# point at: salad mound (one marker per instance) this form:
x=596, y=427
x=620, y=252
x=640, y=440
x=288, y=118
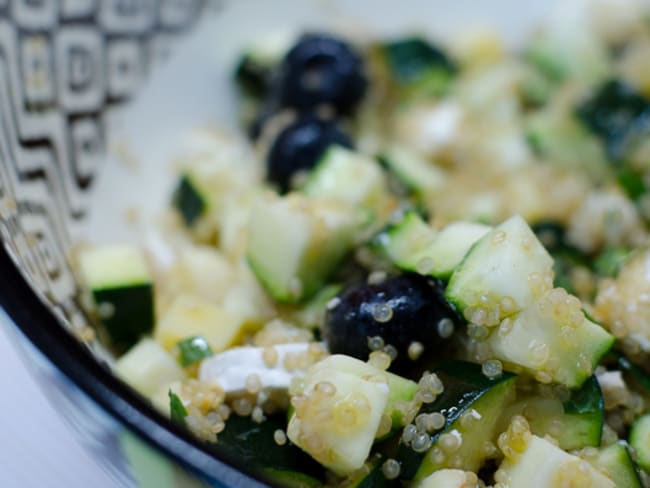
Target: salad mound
x=418, y=265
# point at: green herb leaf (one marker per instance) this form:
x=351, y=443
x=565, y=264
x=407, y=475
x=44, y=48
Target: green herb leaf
x=192, y=350
x=177, y=410
x=609, y=262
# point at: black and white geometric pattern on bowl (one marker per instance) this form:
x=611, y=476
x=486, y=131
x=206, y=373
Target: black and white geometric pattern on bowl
x=64, y=66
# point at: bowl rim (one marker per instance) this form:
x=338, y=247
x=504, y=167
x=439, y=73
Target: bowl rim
x=34, y=319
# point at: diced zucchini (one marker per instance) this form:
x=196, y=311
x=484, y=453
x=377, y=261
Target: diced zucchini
x=147, y=367
x=615, y=461
x=552, y=338
x=290, y=479
x=400, y=242
x=199, y=270
x=448, y=478
x=121, y=285
x=566, y=257
x=616, y=115
x=371, y=475
x=632, y=371
x=640, y=440
x=400, y=389
x=337, y=417
x=253, y=74
x=413, y=171
x=189, y=199
x=254, y=69
x=294, y=243
x=312, y=314
x=418, y=67
x=508, y=262
x=349, y=177
x=189, y=316
x=254, y=445
x=556, y=135
x=543, y=465
x=472, y=404
x=568, y=48
x=575, y=424
x=413, y=246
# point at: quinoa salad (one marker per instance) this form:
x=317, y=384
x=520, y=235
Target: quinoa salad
x=419, y=264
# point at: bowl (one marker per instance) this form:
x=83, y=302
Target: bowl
x=93, y=100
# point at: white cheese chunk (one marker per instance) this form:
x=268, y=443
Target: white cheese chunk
x=232, y=368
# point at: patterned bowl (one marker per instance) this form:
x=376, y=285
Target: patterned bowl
x=67, y=70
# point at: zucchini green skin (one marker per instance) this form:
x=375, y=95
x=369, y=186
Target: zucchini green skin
x=187, y=199
x=374, y=478
x=574, y=424
x=411, y=241
x=403, y=240
x=499, y=264
x=585, y=411
x=418, y=175
x=296, y=240
x=253, y=75
x=253, y=444
x=418, y=67
x=464, y=387
x=133, y=312
x=619, y=465
x=640, y=440
x=290, y=479
x=632, y=371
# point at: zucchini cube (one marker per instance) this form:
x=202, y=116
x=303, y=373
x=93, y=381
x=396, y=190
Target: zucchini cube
x=295, y=243
x=508, y=262
x=349, y=177
x=541, y=464
x=337, y=416
x=544, y=338
x=189, y=200
x=122, y=289
x=191, y=316
x=147, y=367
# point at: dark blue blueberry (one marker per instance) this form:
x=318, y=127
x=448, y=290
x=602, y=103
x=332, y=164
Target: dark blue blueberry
x=321, y=69
x=299, y=147
x=401, y=310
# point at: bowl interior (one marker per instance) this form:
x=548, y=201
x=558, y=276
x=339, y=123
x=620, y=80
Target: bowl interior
x=195, y=89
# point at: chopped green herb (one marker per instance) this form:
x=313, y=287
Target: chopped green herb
x=632, y=182
x=192, y=350
x=609, y=262
x=177, y=410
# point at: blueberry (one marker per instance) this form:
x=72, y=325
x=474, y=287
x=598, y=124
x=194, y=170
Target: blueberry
x=401, y=310
x=299, y=147
x=321, y=69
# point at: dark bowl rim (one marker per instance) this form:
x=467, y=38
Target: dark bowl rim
x=36, y=321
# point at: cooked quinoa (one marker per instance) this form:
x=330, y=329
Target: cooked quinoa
x=465, y=290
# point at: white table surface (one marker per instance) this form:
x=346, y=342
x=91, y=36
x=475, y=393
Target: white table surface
x=37, y=448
